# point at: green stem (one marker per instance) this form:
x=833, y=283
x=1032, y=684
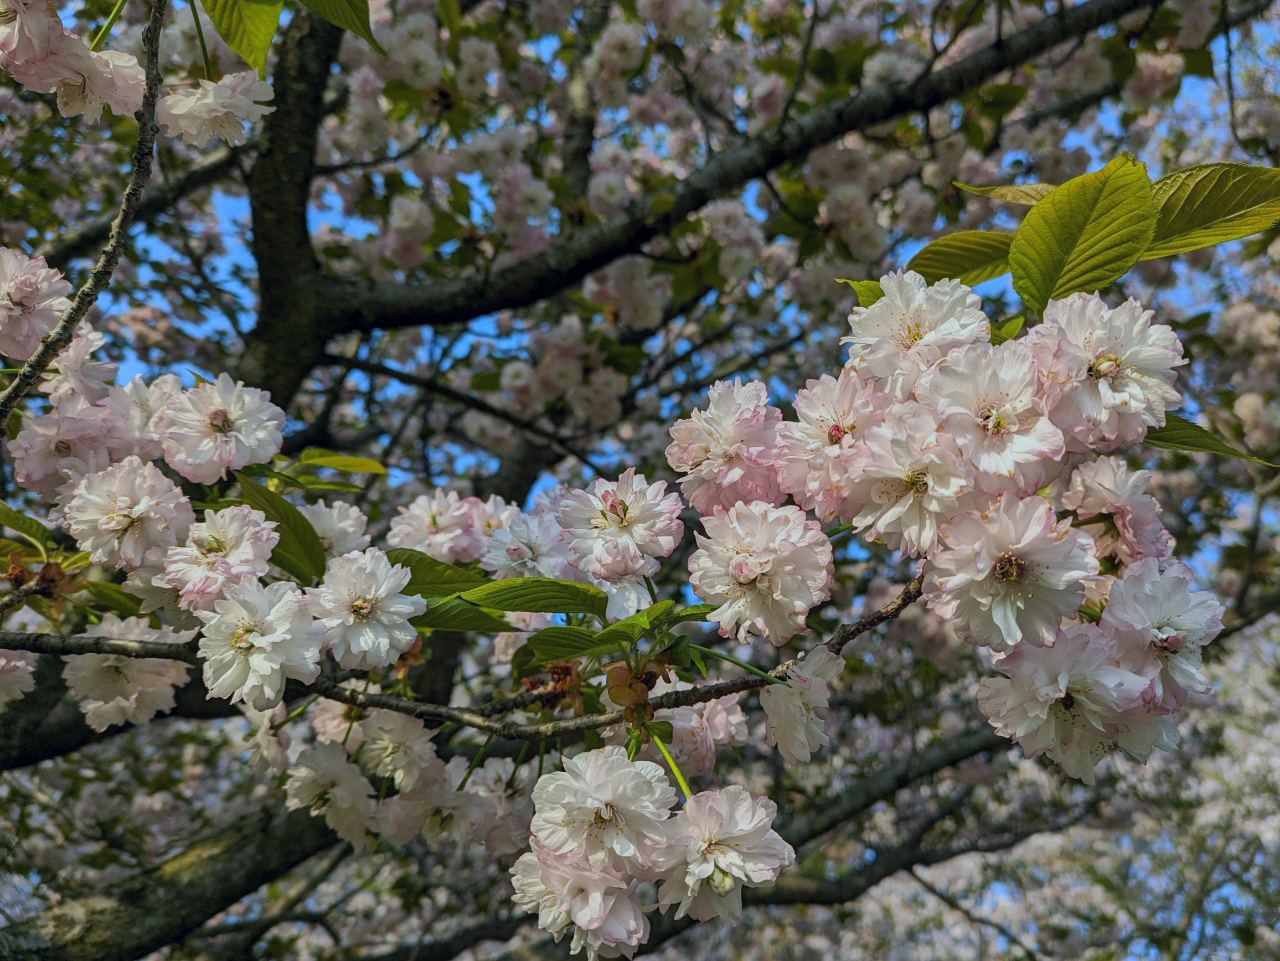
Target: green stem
x=733, y=660
x=204, y=51
x=675, y=768
x=100, y=37
x=475, y=761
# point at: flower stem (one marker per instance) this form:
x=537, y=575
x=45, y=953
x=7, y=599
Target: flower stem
x=100, y=37
x=204, y=51
x=675, y=768
x=733, y=660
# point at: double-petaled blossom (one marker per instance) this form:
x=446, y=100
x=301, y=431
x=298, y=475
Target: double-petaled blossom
x=727, y=452
x=818, y=456
x=442, y=525
x=215, y=110
x=1008, y=573
x=364, y=615
x=796, y=711
x=33, y=297
x=1107, y=374
x=912, y=481
x=1161, y=625
x=118, y=689
x=339, y=525
x=699, y=730
x=529, y=545
x=74, y=374
x=399, y=747
x=602, y=808
x=254, y=639
x=765, y=567
x=600, y=905
x=911, y=328
x=1122, y=518
x=219, y=427
x=231, y=546
x=326, y=783
x=61, y=447
x=717, y=843
x=987, y=400
x=616, y=530
x=1074, y=702
x=125, y=513
x=17, y=670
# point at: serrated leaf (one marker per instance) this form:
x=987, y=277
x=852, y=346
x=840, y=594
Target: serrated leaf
x=352, y=15
x=969, y=256
x=432, y=577
x=1084, y=234
x=1026, y=194
x=541, y=595
x=867, y=291
x=115, y=597
x=299, y=550
x=566, y=643
x=1178, y=433
x=248, y=26
x=25, y=525
x=694, y=612
x=1006, y=329
x=455, y=614
x=631, y=629
x=1211, y=204
x=342, y=462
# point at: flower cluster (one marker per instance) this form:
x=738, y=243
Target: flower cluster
x=603, y=828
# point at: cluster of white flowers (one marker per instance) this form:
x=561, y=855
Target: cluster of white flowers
x=603, y=828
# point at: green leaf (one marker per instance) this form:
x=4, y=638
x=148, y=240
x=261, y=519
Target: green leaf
x=566, y=643
x=1198, y=63
x=631, y=629
x=1084, y=234
x=343, y=462
x=541, y=595
x=431, y=577
x=1007, y=329
x=1212, y=204
x=25, y=525
x=969, y=256
x=248, y=26
x=299, y=551
x=454, y=614
x=1027, y=194
x=1178, y=433
x=350, y=15
x=867, y=291
x=694, y=612
x=114, y=597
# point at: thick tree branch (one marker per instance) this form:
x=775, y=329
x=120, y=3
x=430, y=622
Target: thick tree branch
x=354, y=306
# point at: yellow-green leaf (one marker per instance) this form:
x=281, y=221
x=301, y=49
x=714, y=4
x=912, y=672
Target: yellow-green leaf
x=352, y=15
x=969, y=256
x=1026, y=194
x=1084, y=234
x=1211, y=204
x=344, y=462
x=867, y=291
x=248, y=26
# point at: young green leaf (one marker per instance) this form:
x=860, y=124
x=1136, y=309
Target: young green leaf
x=455, y=614
x=1026, y=194
x=433, y=578
x=969, y=256
x=25, y=525
x=566, y=643
x=539, y=595
x=299, y=551
x=248, y=26
x=867, y=291
x=1210, y=204
x=631, y=629
x=350, y=15
x=1084, y=234
x=342, y=462
x=1178, y=433
x=1006, y=329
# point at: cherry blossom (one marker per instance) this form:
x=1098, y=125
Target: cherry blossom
x=797, y=709
x=127, y=512
x=364, y=615
x=218, y=427
x=231, y=546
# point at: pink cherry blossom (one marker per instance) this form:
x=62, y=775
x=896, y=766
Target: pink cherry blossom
x=125, y=513
x=796, y=711
x=219, y=427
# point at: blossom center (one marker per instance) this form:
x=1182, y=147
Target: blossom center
x=1009, y=567
x=908, y=335
x=1108, y=365
x=116, y=523
x=994, y=420
x=916, y=482
x=242, y=639
x=221, y=421
x=362, y=608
